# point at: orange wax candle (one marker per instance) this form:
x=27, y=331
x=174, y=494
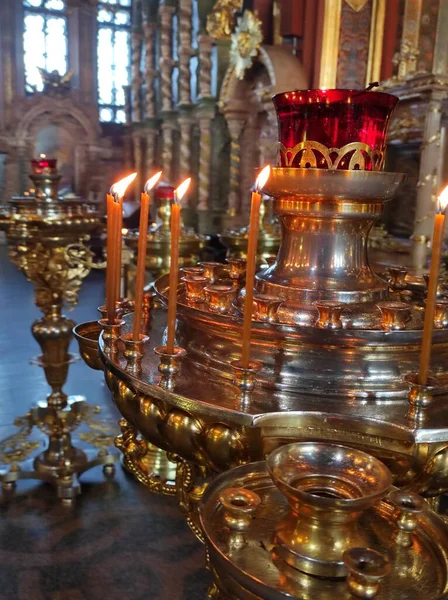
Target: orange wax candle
x=174, y=264
x=251, y=266
x=119, y=248
x=112, y=217
x=141, y=256
x=437, y=241
x=114, y=241
x=141, y=260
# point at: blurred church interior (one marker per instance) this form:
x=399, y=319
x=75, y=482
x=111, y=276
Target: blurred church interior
x=93, y=90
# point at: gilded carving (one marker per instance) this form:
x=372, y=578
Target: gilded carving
x=315, y=152
x=221, y=20
x=245, y=42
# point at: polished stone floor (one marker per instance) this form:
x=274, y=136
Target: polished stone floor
x=119, y=541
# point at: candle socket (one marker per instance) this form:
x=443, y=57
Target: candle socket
x=408, y=507
x=394, y=315
x=441, y=314
x=103, y=311
x=440, y=288
x=239, y=507
x=187, y=271
x=420, y=396
x=329, y=314
x=237, y=269
x=134, y=352
x=245, y=377
x=266, y=307
x=169, y=365
x=210, y=269
x=111, y=335
x=397, y=278
x=366, y=569
x=194, y=287
x=219, y=297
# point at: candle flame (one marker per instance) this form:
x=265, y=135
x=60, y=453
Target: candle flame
x=181, y=190
x=118, y=189
x=42, y=156
x=443, y=199
x=152, y=181
x=262, y=178
x=124, y=231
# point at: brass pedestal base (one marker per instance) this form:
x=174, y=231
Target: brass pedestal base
x=61, y=463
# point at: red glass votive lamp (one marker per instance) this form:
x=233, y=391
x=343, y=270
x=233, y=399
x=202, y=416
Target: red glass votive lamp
x=44, y=166
x=164, y=191
x=333, y=129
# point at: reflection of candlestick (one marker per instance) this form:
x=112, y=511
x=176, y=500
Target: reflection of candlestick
x=251, y=266
x=174, y=264
x=437, y=240
x=114, y=241
x=141, y=256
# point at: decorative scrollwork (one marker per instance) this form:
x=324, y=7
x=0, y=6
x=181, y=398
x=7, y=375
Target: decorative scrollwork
x=221, y=20
x=246, y=42
x=355, y=155
x=134, y=450
x=16, y=447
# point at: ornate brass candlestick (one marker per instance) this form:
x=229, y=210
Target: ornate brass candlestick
x=46, y=237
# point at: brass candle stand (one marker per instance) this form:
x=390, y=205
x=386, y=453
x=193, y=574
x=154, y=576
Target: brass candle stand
x=334, y=363
x=47, y=241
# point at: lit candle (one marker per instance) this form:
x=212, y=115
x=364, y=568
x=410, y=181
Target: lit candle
x=251, y=264
x=114, y=219
x=141, y=255
x=174, y=263
x=437, y=241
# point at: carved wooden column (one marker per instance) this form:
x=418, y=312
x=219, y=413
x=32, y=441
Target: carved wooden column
x=149, y=29
x=205, y=115
x=409, y=49
x=235, y=126
x=136, y=84
x=166, y=70
x=166, y=59
x=185, y=51
x=205, y=66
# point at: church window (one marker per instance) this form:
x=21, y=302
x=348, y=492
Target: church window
x=44, y=40
x=114, y=58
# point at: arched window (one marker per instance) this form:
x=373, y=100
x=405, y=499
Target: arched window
x=114, y=58
x=44, y=40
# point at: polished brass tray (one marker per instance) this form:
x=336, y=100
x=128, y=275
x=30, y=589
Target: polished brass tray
x=251, y=570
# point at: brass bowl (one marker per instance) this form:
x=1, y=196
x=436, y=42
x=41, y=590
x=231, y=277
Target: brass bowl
x=87, y=335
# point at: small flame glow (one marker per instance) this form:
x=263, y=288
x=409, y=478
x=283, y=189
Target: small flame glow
x=119, y=189
x=443, y=199
x=42, y=156
x=181, y=190
x=152, y=182
x=262, y=178
x=124, y=231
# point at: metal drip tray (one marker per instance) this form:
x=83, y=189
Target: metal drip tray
x=253, y=570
